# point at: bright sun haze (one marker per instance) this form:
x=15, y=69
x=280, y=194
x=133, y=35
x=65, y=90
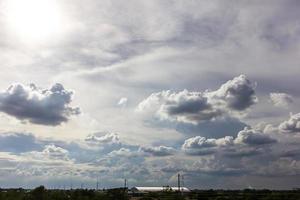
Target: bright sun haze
x=33, y=20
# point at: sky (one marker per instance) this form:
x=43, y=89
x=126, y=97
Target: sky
x=144, y=90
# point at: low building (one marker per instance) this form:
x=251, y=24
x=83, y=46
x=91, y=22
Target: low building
x=157, y=189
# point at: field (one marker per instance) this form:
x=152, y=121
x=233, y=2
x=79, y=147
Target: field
x=42, y=193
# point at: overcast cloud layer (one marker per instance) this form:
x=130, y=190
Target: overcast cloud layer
x=144, y=90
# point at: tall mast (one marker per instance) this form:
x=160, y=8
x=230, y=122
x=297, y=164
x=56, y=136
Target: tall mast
x=178, y=182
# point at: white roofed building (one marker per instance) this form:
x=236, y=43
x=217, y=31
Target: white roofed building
x=157, y=189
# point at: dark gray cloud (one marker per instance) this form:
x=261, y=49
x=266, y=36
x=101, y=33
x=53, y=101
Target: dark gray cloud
x=215, y=166
x=222, y=171
x=188, y=106
x=292, y=125
x=158, y=151
x=232, y=98
x=239, y=152
x=38, y=106
x=212, y=129
x=238, y=93
x=293, y=153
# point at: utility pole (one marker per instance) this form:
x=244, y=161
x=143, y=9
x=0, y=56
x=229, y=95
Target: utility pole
x=71, y=184
x=97, y=184
x=125, y=183
x=178, y=182
x=125, y=188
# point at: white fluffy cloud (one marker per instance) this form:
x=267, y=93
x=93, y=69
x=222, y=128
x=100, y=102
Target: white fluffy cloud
x=108, y=138
x=253, y=137
x=54, y=152
x=158, y=151
x=202, y=146
x=292, y=125
x=200, y=142
x=245, y=143
x=232, y=98
x=122, y=152
x=281, y=99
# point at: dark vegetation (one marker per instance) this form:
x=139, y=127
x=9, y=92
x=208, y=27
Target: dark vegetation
x=41, y=193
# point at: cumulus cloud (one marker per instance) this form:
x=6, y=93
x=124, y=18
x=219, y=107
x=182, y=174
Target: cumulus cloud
x=51, y=162
x=202, y=146
x=122, y=152
x=109, y=138
x=281, y=99
x=50, y=153
x=232, y=98
x=292, y=125
x=245, y=144
x=253, y=137
x=55, y=152
x=39, y=106
x=158, y=151
x=237, y=94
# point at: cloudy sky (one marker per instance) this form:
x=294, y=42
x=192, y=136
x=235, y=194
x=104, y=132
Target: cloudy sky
x=144, y=90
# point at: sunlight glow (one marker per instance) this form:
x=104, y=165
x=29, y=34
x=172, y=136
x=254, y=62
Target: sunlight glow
x=34, y=20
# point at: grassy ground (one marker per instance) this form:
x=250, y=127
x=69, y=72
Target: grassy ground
x=41, y=193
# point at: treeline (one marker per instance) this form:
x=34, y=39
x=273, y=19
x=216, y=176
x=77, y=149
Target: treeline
x=41, y=193
x=247, y=194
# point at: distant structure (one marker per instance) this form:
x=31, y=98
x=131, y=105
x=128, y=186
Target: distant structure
x=125, y=183
x=158, y=189
x=161, y=189
x=178, y=182
x=97, y=183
